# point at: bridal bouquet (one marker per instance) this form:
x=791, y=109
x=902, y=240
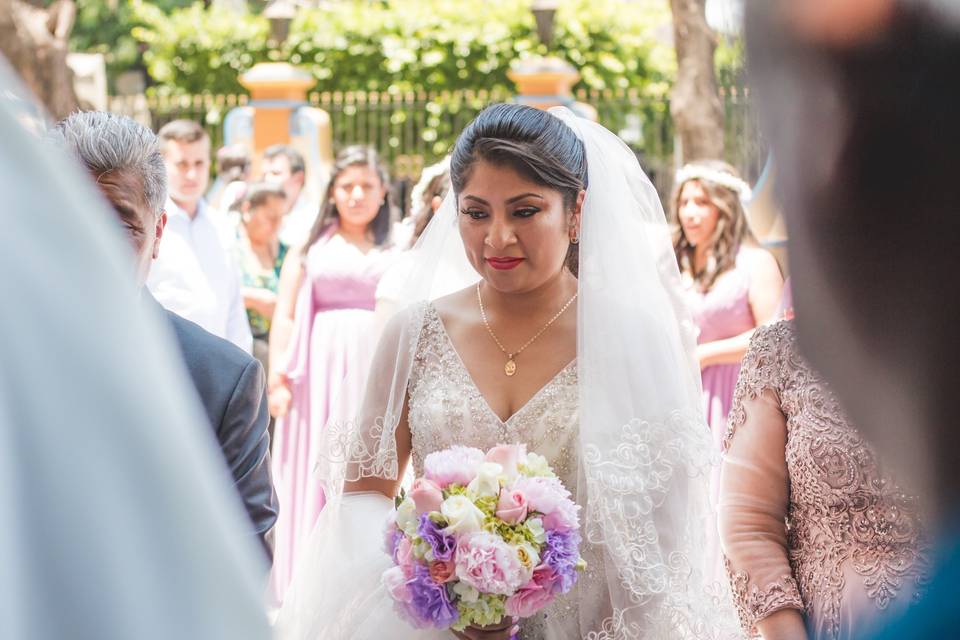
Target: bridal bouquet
x=481, y=536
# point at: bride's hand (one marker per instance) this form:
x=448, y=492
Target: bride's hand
x=505, y=630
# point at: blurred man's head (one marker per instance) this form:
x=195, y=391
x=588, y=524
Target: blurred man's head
x=862, y=108
x=123, y=157
x=233, y=163
x=283, y=165
x=186, y=151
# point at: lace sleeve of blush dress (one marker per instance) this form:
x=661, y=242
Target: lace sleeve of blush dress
x=754, y=488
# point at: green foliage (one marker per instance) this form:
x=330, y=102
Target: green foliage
x=616, y=45
x=197, y=50
x=105, y=26
x=411, y=44
x=407, y=45
x=730, y=62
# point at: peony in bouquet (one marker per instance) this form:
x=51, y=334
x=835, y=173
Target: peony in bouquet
x=480, y=537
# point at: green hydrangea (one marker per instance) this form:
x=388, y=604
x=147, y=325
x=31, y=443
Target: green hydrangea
x=484, y=610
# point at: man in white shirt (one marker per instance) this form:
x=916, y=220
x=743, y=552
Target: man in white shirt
x=195, y=276
x=283, y=165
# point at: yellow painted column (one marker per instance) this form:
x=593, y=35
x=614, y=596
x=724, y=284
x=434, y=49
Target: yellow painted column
x=548, y=82
x=276, y=90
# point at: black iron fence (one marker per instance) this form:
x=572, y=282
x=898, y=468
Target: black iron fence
x=412, y=130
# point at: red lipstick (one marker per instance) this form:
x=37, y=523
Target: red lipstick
x=504, y=264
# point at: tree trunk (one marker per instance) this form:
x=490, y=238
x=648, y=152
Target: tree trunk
x=35, y=42
x=694, y=100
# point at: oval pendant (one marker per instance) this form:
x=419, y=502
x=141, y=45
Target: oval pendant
x=510, y=368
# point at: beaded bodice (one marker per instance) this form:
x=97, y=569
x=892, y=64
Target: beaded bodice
x=446, y=408
x=846, y=517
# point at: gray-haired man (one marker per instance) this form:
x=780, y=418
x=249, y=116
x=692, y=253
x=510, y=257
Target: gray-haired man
x=124, y=159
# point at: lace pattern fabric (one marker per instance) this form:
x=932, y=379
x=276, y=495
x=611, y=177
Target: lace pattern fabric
x=446, y=408
x=852, y=535
x=652, y=460
x=756, y=602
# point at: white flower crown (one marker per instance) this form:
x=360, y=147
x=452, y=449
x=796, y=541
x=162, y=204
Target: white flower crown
x=722, y=178
x=428, y=174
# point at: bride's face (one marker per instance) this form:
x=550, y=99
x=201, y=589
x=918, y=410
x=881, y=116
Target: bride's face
x=516, y=232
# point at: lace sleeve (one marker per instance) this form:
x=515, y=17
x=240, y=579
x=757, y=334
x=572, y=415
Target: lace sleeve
x=754, y=494
x=755, y=602
x=760, y=370
x=363, y=444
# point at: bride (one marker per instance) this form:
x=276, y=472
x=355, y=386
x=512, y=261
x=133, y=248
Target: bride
x=546, y=309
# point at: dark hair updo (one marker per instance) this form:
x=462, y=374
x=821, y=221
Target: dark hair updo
x=538, y=146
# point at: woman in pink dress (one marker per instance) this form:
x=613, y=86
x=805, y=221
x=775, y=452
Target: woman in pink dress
x=322, y=338
x=733, y=285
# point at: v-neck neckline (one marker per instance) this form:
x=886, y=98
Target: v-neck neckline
x=476, y=389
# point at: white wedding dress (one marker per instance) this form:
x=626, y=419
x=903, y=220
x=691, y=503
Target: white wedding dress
x=621, y=425
x=446, y=408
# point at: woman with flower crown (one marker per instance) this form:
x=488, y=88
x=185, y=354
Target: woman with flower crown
x=733, y=285
x=545, y=309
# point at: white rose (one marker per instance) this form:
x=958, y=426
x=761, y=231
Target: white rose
x=487, y=482
x=529, y=556
x=462, y=515
x=536, y=466
x=466, y=592
x=535, y=527
x=423, y=551
x=407, y=517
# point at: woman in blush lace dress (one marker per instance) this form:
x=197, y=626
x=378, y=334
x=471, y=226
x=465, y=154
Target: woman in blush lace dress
x=568, y=333
x=820, y=542
x=733, y=285
x=322, y=339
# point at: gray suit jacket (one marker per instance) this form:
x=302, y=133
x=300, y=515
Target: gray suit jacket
x=232, y=388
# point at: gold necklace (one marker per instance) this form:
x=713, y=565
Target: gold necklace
x=511, y=367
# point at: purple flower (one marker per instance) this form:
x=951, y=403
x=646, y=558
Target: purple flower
x=429, y=600
x=391, y=534
x=393, y=542
x=442, y=545
x=561, y=553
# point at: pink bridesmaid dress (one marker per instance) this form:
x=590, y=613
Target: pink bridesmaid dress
x=329, y=355
x=720, y=313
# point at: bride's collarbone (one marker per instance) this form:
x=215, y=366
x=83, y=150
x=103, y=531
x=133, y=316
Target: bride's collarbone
x=534, y=368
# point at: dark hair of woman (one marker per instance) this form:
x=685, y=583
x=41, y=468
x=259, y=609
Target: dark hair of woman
x=379, y=227
x=258, y=193
x=436, y=188
x=538, y=146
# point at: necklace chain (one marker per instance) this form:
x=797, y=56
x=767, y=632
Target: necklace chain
x=511, y=366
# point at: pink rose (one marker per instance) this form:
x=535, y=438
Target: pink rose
x=395, y=582
x=512, y=506
x=390, y=533
x=507, y=456
x=533, y=596
x=486, y=563
x=442, y=571
x=456, y=465
x=564, y=518
x=549, y=497
x=405, y=554
x=426, y=495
